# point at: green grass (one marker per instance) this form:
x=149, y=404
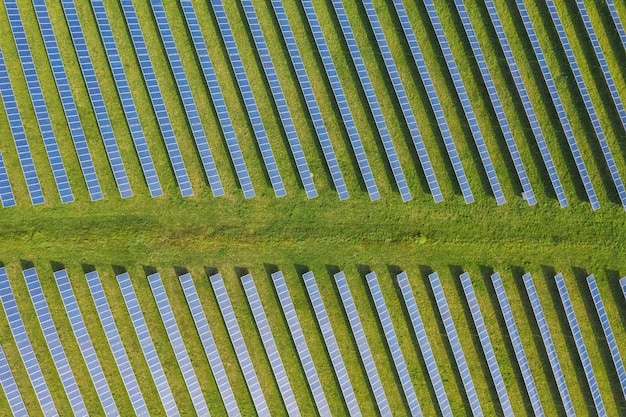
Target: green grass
x=233, y=235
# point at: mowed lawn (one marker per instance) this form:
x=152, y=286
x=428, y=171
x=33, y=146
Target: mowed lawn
x=233, y=236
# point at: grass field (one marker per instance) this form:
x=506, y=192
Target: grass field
x=232, y=235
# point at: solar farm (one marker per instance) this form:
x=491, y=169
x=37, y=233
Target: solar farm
x=312, y=207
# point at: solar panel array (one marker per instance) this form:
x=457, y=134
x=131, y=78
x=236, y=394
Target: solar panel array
x=271, y=350
x=39, y=105
x=372, y=100
x=208, y=343
x=67, y=101
x=147, y=345
x=97, y=100
x=362, y=345
x=394, y=345
x=6, y=191
x=518, y=348
x=156, y=97
x=332, y=346
x=608, y=332
x=580, y=345
x=311, y=101
x=241, y=351
x=54, y=343
x=279, y=99
x=617, y=21
x=622, y=283
x=16, y=403
x=591, y=111
x=189, y=104
x=341, y=100
x=217, y=98
x=128, y=103
x=455, y=344
x=248, y=98
x=558, y=105
x=115, y=343
x=25, y=347
x=549, y=345
x=485, y=342
x=19, y=136
x=403, y=99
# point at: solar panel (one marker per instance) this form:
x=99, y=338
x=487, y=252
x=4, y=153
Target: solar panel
x=608, y=332
x=6, y=192
x=580, y=345
x=24, y=346
x=241, y=351
x=341, y=100
x=560, y=110
x=591, y=111
x=372, y=100
x=362, y=345
x=248, y=98
x=617, y=21
x=128, y=104
x=178, y=345
x=208, y=343
x=16, y=403
x=84, y=343
x=115, y=343
x=279, y=99
x=67, y=101
x=189, y=104
x=485, y=342
x=402, y=97
x=310, y=100
x=549, y=345
x=39, y=105
x=95, y=95
x=394, y=345
x=455, y=344
x=269, y=344
x=54, y=343
x=19, y=136
x=424, y=344
x=518, y=348
x=218, y=99
x=158, y=104
x=622, y=282
x=147, y=345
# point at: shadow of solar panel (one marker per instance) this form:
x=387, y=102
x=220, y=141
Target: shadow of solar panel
x=16, y=403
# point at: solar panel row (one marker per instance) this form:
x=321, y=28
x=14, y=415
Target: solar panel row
x=402, y=97
x=580, y=345
x=189, y=104
x=25, y=347
x=115, y=343
x=617, y=21
x=393, y=344
x=372, y=100
x=16, y=403
x=455, y=344
x=362, y=345
x=54, y=343
x=128, y=104
x=485, y=342
x=311, y=101
x=271, y=350
x=218, y=98
x=67, y=101
x=6, y=192
x=241, y=350
x=332, y=346
x=147, y=345
x=622, y=282
x=560, y=110
x=279, y=99
x=156, y=97
x=518, y=348
x=548, y=344
x=97, y=100
x=248, y=98
x=591, y=111
x=341, y=100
